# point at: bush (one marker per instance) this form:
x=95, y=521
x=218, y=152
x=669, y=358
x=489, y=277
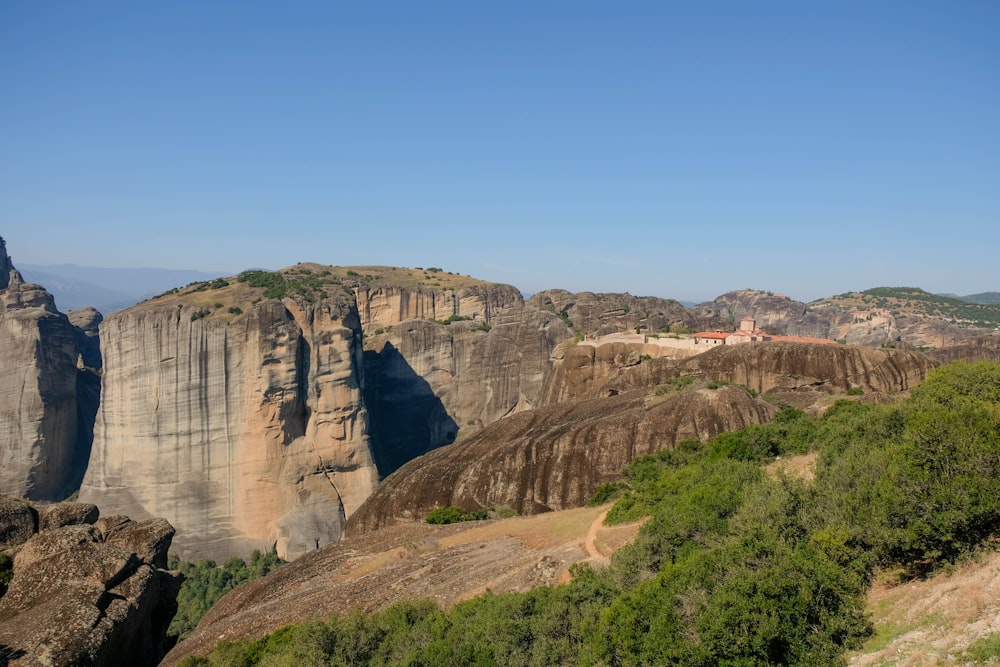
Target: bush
x=674, y=384
x=454, y=514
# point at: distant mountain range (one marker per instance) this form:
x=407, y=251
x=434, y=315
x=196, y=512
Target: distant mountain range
x=107, y=289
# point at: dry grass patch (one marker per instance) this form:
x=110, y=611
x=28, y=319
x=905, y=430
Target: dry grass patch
x=802, y=466
x=933, y=622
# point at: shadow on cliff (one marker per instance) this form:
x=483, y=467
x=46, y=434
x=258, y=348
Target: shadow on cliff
x=407, y=418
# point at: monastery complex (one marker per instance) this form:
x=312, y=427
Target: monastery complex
x=678, y=346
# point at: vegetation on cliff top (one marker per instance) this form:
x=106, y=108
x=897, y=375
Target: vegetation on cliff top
x=733, y=566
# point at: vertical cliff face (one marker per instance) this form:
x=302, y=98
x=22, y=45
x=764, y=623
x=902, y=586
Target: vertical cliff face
x=244, y=431
x=384, y=305
x=42, y=452
x=446, y=361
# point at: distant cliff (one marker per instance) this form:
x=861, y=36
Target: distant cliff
x=47, y=396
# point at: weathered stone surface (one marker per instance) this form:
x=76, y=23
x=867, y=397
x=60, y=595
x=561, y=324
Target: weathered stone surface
x=42, y=455
x=66, y=514
x=76, y=599
x=18, y=522
x=245, y=434
x=796, y=366
x=554, y=457
x=601, y=314
x=87, y=322
x=149, y=540
x=985, y=348
x=427, y=383
x=385, y=305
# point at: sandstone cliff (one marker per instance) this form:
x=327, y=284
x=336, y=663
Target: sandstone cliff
x=85, y=591
x=244, y=429
x=426, y=383
x=44, y=396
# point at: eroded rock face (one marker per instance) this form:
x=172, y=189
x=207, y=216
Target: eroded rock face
x=768, y=367
x=245, y=434
x=555, y=457
x=986, y=348
x=84, y=596
x=43, y=450
x=426, y=382
x=381, y=305
x=601, y=314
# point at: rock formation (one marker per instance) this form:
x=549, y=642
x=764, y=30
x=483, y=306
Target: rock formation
x=426, y=383
x=244, y=429
x=46, y=395
x=766, y=367
x=600, y=314
x=85, y=591
x=555, y=457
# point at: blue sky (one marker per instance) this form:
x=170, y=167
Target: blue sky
x=679, y=149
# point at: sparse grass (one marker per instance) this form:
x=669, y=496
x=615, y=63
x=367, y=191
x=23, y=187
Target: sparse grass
x=671, y=385
x=985, y=650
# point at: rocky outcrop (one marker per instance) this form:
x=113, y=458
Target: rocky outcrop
x=985, y=348
x=554, y=458
x=85, y=594
x=427, y=383
x=774, y=313
x=766, y=367
x=382, y=304
x=603, y=313
x=43, y=448
x=851, y=321
x=246, y=430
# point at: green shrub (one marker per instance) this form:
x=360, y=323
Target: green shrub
x=986, y=649
x=674, y=384
x=604, y=493
x=855, y=391
x=235, y=310
x=454, y=514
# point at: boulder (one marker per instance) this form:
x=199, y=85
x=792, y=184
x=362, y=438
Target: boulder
x=79, y=598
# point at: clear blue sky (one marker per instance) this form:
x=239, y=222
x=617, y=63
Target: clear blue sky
x=680, y=149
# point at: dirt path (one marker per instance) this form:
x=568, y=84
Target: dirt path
x=591, y=542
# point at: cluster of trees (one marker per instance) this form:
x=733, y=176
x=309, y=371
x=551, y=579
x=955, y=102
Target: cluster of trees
x=734, y=566
x=205, y=582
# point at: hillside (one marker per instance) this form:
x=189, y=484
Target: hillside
x=983, y=297
x=413, y=560
x=915, y=302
